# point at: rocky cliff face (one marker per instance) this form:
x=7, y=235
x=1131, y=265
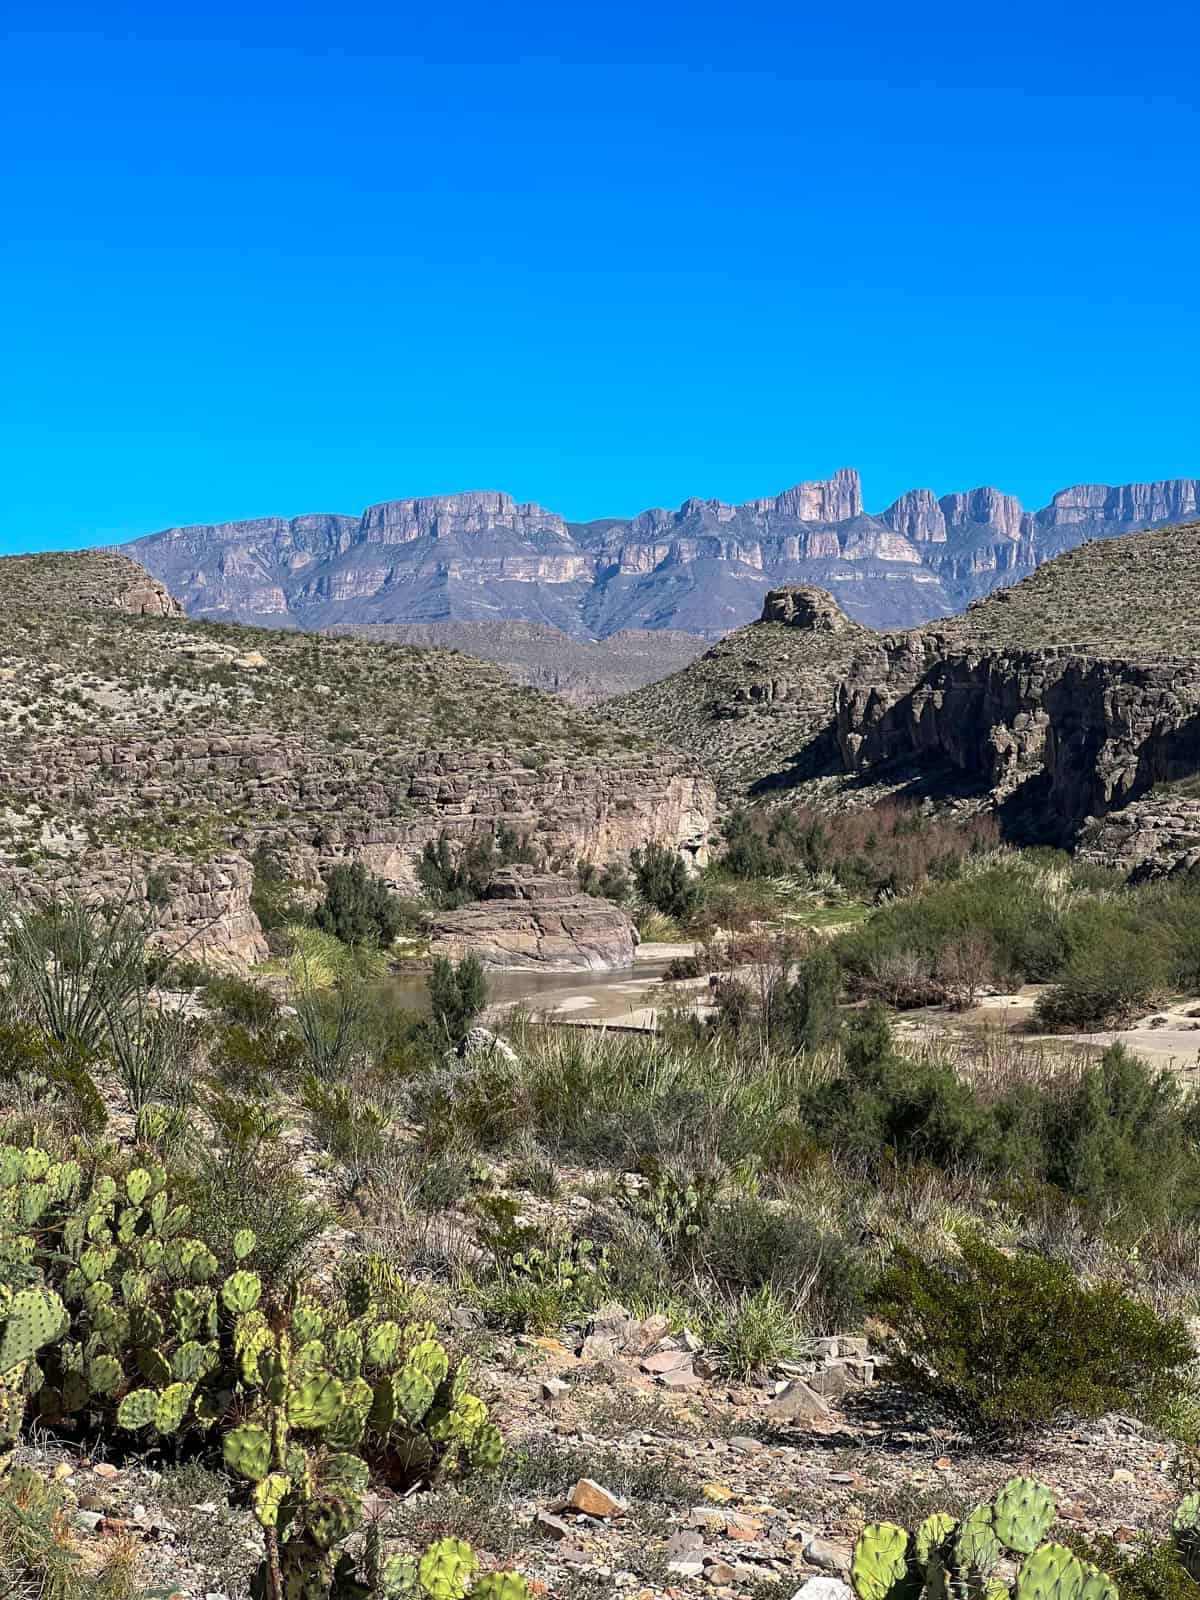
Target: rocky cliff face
x=135, y=744
x=702, y=568
x=531, y=919
x=1056, y=735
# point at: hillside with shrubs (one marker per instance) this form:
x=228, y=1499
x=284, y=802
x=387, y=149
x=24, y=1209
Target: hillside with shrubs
x=304, y=1294
x=867, y=1269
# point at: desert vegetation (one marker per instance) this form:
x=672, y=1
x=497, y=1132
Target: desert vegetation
x=246, y=1228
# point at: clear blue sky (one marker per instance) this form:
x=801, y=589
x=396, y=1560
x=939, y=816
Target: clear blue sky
x=268, y=258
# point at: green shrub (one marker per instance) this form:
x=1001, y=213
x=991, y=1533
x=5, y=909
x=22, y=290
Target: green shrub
x=1012, y=1341
x=239, y=1001
x=802, y=1008
x=457, y=996
x=359, y=909
x=665, y=882
x=1124, y=1141
x=1105, y=985
x=1153, y=1571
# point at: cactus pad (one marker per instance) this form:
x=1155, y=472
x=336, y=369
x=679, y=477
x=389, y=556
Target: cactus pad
x=932, y=1535
x=383, y=1344
x=1022, y=1514
x=34, y=1319
x=241, y=1292
x=307, y=1321
x=104, y=1375
x=137, y=1185
x=446, y=1568
x=500, y=1586
x=333, y=1519
x=413, y=1395
x=1097, y=1585
x=247, y=1451
x=1050, y=1573
x=268, y=1497
x=316, y=1402
x=172, y=1407
x=976, y=1547
x=243, y=1243
x=137, y=1409
x=879, y=1565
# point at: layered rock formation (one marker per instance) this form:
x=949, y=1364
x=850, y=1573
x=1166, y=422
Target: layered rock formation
x=483, y=558
x=141, y=745
x=1053, y=732
x=532, y=919
x=758, y=707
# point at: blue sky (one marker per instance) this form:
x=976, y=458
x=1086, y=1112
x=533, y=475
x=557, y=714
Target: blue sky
x=268, y=258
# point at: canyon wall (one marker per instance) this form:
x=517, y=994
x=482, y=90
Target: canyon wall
x=1090, y=733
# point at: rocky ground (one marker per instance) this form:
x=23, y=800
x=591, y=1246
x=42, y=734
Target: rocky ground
x=634, y=1469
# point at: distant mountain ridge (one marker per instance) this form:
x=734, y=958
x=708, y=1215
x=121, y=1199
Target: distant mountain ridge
x=703, y=569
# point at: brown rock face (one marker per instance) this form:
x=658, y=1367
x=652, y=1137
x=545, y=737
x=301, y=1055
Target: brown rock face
x=804, y=606
x=532, y=919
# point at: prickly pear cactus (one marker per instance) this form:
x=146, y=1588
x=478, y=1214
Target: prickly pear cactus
x=976, y=1549
x=446, y=1569
x=500, y=1586
x=879, y=1567
x=1097, y=1585
x=1185, y=1527
x=1022, y=1514
x=1050, y=1573
x=933, y=1536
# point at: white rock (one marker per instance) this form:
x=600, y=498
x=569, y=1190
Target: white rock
x=824, y=1589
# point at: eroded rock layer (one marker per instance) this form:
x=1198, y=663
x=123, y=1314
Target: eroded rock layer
x=533, y=919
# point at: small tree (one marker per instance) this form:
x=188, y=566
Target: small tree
x=359, y=909
x=457, y=995
x=804, y=1010
x=663, y=881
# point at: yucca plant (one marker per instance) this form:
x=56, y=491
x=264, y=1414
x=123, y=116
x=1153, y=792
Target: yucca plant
x=72, y=969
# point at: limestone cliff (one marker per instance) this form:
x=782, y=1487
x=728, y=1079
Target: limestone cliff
x=531, y=919
x=1053, y=732
x=137, y=744
x=703, y=568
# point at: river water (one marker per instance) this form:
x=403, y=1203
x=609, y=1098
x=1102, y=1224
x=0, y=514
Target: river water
x=627, y=997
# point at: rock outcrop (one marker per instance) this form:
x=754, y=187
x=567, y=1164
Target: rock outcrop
x=803, y=606
x=758, y=707
x=1057, y=735
x=702, y=568
x=532, y=919
x=137, y=746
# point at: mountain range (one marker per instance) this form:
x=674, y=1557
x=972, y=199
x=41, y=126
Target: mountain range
x=703, y=569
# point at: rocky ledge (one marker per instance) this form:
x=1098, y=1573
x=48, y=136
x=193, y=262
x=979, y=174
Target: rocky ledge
x=533, y=919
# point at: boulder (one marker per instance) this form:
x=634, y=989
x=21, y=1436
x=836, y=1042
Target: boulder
x=531, y=919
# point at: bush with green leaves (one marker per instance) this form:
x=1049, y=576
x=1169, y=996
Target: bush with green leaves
x=453, y=878
x=359, y=909
x=610, y=882
x=457, y=996
x=1011, y=1341
x=665, y=881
